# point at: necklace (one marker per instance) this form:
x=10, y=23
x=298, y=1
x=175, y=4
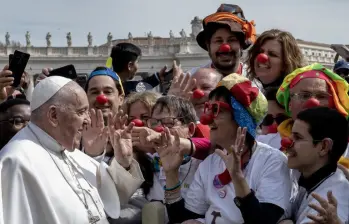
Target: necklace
x=92, y=219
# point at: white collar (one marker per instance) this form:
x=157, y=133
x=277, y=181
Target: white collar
x=44, y=139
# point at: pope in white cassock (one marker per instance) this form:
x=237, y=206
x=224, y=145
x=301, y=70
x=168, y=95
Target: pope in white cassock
x=45, y=180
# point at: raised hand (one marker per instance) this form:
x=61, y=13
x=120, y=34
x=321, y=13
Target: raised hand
x=44, y=74
x=327, y=211
x=121, y=140
x=5, y=83
x=183, y=86
x=146, y=137
x=95, y=134
x=232, y=159
x=170, y=155
x=119, y=120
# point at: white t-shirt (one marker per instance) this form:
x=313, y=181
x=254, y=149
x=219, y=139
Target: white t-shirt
x=267, y=174
x=273, y=140
x=298, y=207
x=186, y=176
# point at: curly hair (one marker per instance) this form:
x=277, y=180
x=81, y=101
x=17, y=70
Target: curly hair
x=292, y=56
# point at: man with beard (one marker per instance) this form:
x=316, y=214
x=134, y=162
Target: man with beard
x=226, y=33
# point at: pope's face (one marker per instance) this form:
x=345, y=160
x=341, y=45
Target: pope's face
x=72, y=117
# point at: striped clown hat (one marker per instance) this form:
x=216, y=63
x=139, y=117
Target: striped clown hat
x=337, y=87
x=249, y=105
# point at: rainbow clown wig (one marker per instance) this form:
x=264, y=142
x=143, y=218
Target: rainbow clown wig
x=337, y=87
x=249, y=105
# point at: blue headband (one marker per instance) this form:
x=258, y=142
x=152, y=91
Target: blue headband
x=243, y=117
x=107, y=72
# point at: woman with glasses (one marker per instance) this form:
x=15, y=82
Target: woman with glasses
x=14, y=115
x=150, y=114
x=244, y=181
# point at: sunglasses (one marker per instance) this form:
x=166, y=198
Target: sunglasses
x=214, y=108
x=270, y=119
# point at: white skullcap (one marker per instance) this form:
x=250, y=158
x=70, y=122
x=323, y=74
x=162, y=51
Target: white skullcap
x=45, y=89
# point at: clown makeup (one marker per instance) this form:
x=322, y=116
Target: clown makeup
x=305, y=153
x=226, y=62
x=104, y=85
x=206, y=81
x=306, y=89
x=271, y=70
x=223, y=127
x=274, y=117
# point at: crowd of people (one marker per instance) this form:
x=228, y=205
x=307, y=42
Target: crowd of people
x=261, y=139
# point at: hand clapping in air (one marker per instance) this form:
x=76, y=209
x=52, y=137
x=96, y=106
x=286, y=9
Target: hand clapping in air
x=232, y=159
x=95, y=134
x=327, y=210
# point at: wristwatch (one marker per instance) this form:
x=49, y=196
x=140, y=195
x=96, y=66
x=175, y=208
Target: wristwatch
x=239, y=201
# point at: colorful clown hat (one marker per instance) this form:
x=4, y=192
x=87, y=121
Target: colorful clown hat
x=248, y=103
x=338, y=87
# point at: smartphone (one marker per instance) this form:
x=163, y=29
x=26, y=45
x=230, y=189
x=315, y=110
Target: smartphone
x=341, y=50
x=168, y=76
x=10, y=57
x=17, y=66
x=67, y=71
x=82, y=79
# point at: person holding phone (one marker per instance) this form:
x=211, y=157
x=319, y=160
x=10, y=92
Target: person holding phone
x=124, y=60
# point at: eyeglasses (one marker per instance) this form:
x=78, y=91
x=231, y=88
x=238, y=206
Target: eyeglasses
x=215, y=107
x=304, y=96
x=269, y=119
x=166, y=122
x=18, y=122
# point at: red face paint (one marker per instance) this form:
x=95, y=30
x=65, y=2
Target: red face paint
x=102, y=99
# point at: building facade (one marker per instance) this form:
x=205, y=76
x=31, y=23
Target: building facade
x=156, y=52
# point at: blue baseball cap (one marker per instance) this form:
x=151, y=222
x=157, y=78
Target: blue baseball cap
x=341, y=65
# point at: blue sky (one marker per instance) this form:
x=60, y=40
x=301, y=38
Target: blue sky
x=312, y=20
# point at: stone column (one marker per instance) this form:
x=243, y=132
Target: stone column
x=89, y=50
x=69, y=51
x=9, y=50
x=49, y=51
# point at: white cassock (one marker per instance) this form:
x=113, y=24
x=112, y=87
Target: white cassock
x=41, y=183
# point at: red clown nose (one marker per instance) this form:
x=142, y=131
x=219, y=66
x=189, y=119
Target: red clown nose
x=198, y=94
x=101, y=99
x=206, y=119
x=138, y=123
x=262, y=58
x=286, y=143
x=159, y=129
x=312, y=102
x=224, y=48
x=273, y=128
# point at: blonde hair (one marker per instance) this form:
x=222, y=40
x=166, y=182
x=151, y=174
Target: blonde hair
x=149, y=99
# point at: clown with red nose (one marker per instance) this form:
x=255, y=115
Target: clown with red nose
x=309, y=87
